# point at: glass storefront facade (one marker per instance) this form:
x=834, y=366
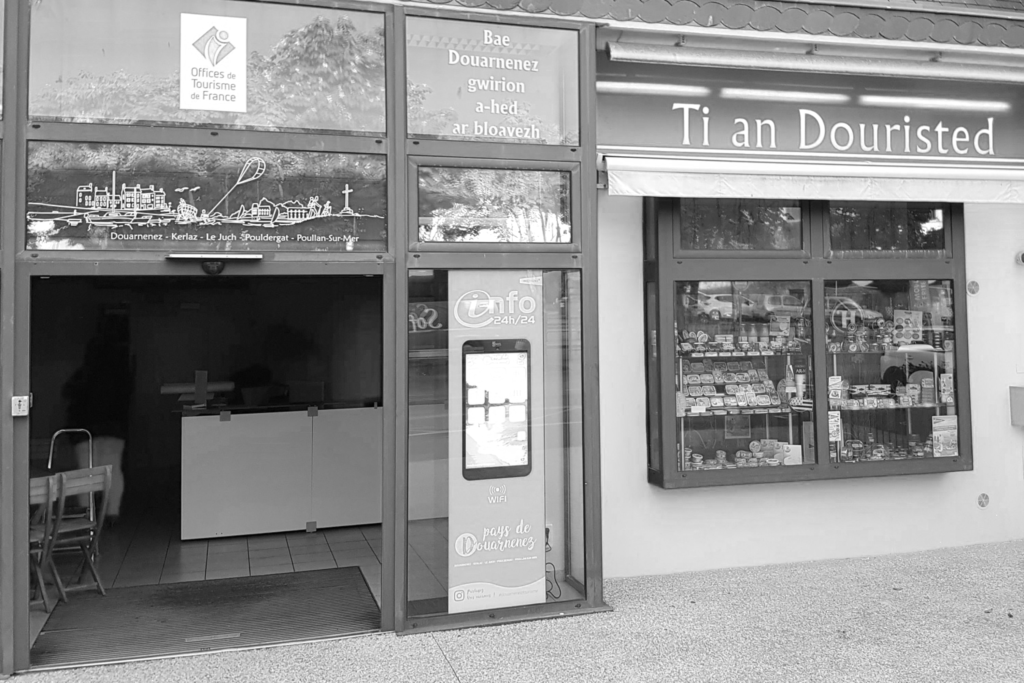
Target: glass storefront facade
x=251, y=139
x=787, y=263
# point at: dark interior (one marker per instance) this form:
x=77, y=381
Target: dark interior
x=282, y=340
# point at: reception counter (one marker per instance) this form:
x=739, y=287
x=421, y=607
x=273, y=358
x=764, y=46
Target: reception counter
x=259, y=472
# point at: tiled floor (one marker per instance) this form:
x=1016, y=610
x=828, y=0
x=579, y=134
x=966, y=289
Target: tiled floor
x=147, y=552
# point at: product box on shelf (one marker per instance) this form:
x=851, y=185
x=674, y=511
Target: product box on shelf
x=927, y=390
x=945, y=436
x=946, y=389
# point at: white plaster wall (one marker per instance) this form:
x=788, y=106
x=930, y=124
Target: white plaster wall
x=648, y=530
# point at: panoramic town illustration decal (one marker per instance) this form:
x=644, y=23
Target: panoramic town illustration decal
x=103, y=216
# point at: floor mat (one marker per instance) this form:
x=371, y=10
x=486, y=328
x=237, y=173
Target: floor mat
x=201, y=616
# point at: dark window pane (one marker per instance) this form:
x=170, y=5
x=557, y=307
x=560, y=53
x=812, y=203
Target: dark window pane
x=497, y=82
x=94, y=196
x=493, y=205
x=749, y=224
x=886, y=228
x=892, y=379
x=264, y=65
x=743, y=379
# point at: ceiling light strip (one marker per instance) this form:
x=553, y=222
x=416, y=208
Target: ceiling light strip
x=783, y=96
x=633, y=88
x=978, y=106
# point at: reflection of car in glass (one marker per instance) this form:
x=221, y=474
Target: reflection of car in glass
x=782, y=304
x=718, y=306
x=691, y=302
x=854, y=312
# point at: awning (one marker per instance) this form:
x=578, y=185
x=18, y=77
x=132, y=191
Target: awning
x=677, y=177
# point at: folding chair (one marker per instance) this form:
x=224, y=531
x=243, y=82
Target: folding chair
x=81, y=534
x=42, y=494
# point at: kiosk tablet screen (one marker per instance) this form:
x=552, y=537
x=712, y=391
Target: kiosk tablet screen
x=496, y=408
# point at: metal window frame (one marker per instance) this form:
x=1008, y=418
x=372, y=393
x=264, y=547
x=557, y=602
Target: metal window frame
x=169, y=137
x=947, y=235
x=665, y=269
x=18, y=266
x=804, y=252
x=208, y=136
x=570, y=167
x=367, y=7
x=580, y=256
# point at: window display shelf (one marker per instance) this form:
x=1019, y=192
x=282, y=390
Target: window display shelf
x=725, y=412
x=892, y=459
x=929, y=406
x=884, y=352
x=738, y=354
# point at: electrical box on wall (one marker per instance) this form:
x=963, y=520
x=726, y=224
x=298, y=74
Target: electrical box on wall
x=19, y=406
x=1017, y=406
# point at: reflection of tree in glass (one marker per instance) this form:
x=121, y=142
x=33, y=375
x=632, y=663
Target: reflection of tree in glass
x=739, y=224
x=885, y=226
x=429, y=121
x=327, y=75
x=493, y=205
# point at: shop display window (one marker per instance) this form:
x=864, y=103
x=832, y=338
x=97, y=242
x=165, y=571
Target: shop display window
x=743, y=381
x=891, y=364
x=746, y=224
x=220, y=63
x=791, y=362
x=494, y=205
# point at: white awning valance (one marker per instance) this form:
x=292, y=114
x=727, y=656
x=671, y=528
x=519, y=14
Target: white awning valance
x=672, y=177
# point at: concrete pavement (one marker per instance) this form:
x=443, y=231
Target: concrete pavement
x=945, y=615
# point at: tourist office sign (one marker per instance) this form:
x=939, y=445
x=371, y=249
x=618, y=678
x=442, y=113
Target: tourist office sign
x=771, y=115
x=496, y=82
x=213, y=63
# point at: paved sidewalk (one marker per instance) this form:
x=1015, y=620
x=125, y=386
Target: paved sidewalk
x=947, y=615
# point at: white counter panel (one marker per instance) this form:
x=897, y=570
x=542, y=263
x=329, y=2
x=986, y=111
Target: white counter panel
x=348, y=455
x=247, y=475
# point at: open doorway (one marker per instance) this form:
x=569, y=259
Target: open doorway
x=242, y=420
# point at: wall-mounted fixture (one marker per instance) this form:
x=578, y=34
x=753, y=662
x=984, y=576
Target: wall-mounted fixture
x=1017, y=406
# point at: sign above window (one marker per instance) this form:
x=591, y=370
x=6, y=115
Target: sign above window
x=766, y=115
x=135, y=197
x=492, y=82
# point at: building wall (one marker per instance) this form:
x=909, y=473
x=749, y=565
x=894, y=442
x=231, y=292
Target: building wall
x=648, y=530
